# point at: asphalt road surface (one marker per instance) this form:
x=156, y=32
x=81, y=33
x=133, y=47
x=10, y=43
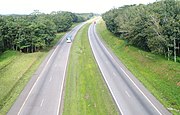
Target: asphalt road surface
x=42, y=95
x=131, y=97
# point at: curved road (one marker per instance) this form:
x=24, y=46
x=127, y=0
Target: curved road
x=42, y=95
x=131, y=97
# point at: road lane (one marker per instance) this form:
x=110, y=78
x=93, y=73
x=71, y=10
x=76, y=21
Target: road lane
x=42, y=95
x=131, y=97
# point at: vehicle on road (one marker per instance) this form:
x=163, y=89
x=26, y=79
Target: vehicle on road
x=68, y=39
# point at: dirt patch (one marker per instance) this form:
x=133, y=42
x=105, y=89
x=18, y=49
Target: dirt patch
x=86, y=96
x=95, y=105
x=178, y=84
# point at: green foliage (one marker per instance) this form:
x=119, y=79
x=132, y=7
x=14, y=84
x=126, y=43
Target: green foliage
x=153, y=27
x=84, y=16
x=30, y=33
x=63, y=21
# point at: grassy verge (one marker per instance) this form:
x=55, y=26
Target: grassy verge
x=15, y=76
x=15, y=71
x=160, y=76
x=85, y=90
x=75, y=24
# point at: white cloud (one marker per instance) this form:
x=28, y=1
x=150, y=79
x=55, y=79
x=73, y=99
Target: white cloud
x=46, y=6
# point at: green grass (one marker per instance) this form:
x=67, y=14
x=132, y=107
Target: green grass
x=7, y=58
x=160, y=76
x=85, y=91
x=75, y=24
x=15, y=75
x=15, y=71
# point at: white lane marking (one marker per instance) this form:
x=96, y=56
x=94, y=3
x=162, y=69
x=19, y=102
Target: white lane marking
x=56, y=65
x=127, y=94
x=61, y=89
x=42, y=103
x=141, y=91
x=131, y=80
x=103, y=73
x=114, y=74
x=50, y=79
x=19, y=112
x=36, y=81
x=65, y=74
x=103, y=45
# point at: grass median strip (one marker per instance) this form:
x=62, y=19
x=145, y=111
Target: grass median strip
x=85, y=92
x=160, y=76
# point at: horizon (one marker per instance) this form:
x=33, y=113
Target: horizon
x=20, y=7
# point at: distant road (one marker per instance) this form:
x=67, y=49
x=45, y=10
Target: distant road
x=131, y=97
x=42, y=95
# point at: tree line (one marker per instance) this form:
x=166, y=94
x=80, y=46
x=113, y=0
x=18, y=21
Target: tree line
x=154, y=27
x=30, y=33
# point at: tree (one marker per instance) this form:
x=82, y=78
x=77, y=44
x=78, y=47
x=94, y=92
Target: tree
x=30, y=33
x=154, y=27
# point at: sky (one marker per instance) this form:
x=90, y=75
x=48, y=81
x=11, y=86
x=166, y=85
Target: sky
x=75, y=6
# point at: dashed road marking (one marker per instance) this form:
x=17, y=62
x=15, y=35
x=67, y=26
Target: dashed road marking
x=127, y=94
x=50, y=79
x=114, y=74
x=42, y=103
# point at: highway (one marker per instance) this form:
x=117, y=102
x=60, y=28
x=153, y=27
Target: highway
x=130, y=96
x=43, y=93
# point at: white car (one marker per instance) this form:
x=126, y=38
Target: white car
x=68, y=41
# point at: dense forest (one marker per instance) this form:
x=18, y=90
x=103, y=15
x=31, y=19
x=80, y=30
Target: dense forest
x=154, y=27
x=30, y=33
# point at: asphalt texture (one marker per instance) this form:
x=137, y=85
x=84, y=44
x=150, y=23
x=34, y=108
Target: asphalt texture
x=131, y=97
x=43, y=93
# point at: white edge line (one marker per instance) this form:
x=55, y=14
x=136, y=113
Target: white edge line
x=141, y=92
x=59, y=104
x=103, y=74
x=64, y=74
x=132, y=81
x=19, y=112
